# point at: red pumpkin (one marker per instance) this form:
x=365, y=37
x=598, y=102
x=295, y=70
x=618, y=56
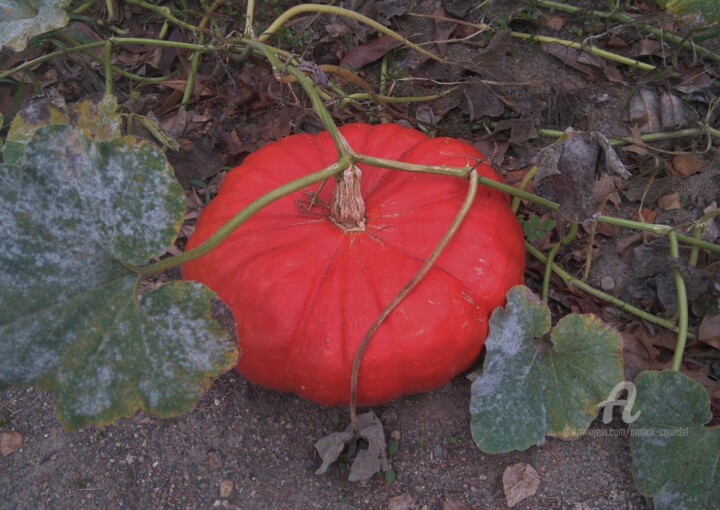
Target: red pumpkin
x=304, y=291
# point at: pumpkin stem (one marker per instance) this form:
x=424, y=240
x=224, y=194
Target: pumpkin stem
x=348, y=206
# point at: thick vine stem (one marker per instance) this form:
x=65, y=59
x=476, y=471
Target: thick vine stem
x=699, y=230
x=682, y=304
x=424, y=270
x=553, y=40
x=340, y=11
x=307, y=84
x=624, y=18
x=569, y=238
x=571, y=281
x=244, y=215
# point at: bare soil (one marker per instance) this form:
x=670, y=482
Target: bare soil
x=260, y=443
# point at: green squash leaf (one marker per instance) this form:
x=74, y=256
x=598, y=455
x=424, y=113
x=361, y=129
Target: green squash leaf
x=23, y=20
x=528, y=388
x=76, y=216
x=676, y=459
x=699, y=12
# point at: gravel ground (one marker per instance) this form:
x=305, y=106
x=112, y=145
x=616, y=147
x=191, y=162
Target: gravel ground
x=249, y=448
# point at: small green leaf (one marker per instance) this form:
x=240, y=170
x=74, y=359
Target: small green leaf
x=676, y=459
x=23, y=20
x=537, y=230
x=96, y=115
x=75, y=217
x=529, y=389
x=393, y=448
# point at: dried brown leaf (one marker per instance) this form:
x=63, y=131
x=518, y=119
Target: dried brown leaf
x=401, y=502
x=647, y=189
x=443, y=30
x=494, y=148
x=670, y=202
x=363, y=54
x=367, y=461
x=520, y=481
x=605, y=188
x=649, y=47
x=709, y=331
x=570, y=57
x=645, y=215
x=673, y=112
x=226, y=488
x=555, y=22
x=451, y=504
x=481, y=101
x=568, y=169
x=637, y=355
x=10, y=442
x=684, y=165
x=645, y=111
x=488, y=63
x=613, y=74
x=697, y=79
x=615, y=42
x=459, y=8
x=197, y=159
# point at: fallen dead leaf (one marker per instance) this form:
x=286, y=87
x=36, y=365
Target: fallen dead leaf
x=673, y=111
x=638, y=355
x=709, y=331
x=613, y=74
x=451, y=504
x=649, y=47
x=615, y=42
x=226, y=488
x=481, y=101
x=443, y=30
x=520, y=481
x=401, y=502
x=459, y=8
x=670, y=202
x=645, y=215
x=653, y=277
x=555, y=22
x=645, y=111
x=197, y=159
x=363, y=54
x=367, y=461
x=605, y=188
x=684, y=165
x=568, y=169
x=697, y=79
x=10, y=442
x=570, y=57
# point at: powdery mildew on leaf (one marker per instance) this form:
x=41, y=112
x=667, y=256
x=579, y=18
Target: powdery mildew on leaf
x=528, y=389
x=24, y=20
x=96, y=115
x=676, y=459
x=73, y=215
